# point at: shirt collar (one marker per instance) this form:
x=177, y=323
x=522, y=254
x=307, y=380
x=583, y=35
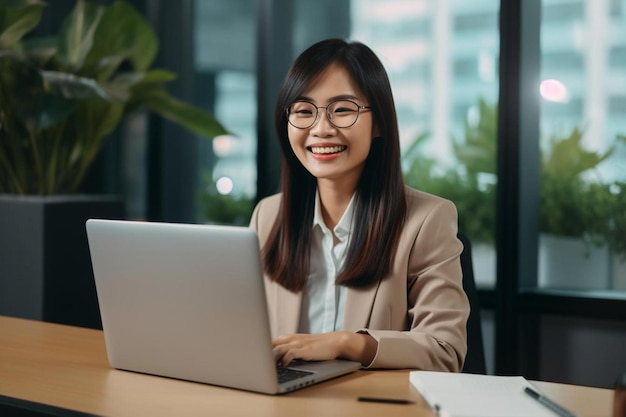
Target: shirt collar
x=343, y=227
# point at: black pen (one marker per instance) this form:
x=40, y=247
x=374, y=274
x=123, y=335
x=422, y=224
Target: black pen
x=551, y=405
x=385, y=400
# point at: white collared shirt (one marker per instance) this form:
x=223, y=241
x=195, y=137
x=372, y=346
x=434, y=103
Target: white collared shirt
x=323, y=302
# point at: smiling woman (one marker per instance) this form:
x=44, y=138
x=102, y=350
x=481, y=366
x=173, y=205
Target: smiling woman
x=333, y=146
x=353, y=259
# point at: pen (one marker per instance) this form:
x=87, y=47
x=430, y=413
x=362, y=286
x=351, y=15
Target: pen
x=385, y=400
x=551, y=405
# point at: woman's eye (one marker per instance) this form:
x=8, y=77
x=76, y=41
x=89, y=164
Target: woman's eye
x=302, y=110
x=344, y=111
x=343, y=108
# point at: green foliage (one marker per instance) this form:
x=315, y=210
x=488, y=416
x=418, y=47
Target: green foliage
x=571, y=204
x=61, y=98
x=567, y=159
x=475, y=200
x=618, y=215
x=224, y=209
x=477, y=152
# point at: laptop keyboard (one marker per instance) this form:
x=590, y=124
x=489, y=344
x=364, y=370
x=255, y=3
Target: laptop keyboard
x=289, y=374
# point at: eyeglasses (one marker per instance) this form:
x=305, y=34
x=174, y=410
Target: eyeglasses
x=340, y=113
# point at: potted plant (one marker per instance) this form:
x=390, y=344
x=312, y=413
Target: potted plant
x=574, y=216
x=578, y=213
x=470, y=184
x=60, y=99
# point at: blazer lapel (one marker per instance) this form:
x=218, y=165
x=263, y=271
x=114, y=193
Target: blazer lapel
x=359, y=304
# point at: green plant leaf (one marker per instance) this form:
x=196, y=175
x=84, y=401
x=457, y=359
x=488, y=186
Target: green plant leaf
x=155, y=76
x=478, y=151
x=76, y=38
x=40, y=50
x=568, y=159
x=72, y=86
x=109, y=118
x=53, y=110
x=121, y=87
x=124, y=33
x=102, y=117
x=17, y=18
x=22, y=90
x=190, y=117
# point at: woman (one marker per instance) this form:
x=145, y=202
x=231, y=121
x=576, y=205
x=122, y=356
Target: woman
x=357, y=265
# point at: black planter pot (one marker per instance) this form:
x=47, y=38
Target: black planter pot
x=45, y=267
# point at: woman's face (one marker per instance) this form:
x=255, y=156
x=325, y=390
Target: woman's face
x=328, y=152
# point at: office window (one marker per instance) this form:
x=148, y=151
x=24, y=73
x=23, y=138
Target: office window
x=442, y=59
x=582, y=242
x=475, y=21
x=563, y=11
x=444, y=76
x=225, y=67
x=617, y=56
x=560, y=59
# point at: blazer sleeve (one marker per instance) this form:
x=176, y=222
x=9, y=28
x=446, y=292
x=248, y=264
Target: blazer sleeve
x=434, y=335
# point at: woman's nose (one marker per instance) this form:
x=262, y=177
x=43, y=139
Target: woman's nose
x=322, y=126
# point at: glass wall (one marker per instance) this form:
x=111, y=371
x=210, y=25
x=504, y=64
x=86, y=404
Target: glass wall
x=225, y=67
x=442, y=59
x=582, y=245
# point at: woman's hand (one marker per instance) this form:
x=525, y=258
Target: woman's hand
x=316, y=347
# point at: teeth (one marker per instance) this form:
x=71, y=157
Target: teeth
x=327, y=149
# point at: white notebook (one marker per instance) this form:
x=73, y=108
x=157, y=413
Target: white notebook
x=471, y=395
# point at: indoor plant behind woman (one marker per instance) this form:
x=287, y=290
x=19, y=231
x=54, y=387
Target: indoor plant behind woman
x=60, y=98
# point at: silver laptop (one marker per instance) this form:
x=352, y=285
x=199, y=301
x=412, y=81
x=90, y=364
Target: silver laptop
x=188, y=302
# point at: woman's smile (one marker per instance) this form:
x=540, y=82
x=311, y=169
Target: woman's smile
x=326, y=150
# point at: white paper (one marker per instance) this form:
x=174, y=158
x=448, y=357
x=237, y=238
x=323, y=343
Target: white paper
x=470, y=395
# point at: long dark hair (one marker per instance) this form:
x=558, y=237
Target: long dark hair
x=380, y=204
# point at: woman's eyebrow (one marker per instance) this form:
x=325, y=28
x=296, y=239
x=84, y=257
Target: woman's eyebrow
x=344, y=97
x=334, y=98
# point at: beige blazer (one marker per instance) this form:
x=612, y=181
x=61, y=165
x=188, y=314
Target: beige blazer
x=418, y=313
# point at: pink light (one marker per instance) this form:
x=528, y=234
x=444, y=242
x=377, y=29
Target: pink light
x=553, y=90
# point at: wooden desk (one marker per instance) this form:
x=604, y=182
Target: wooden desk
x=63, y=366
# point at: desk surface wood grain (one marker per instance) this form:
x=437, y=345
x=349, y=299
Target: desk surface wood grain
x=67, y=367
